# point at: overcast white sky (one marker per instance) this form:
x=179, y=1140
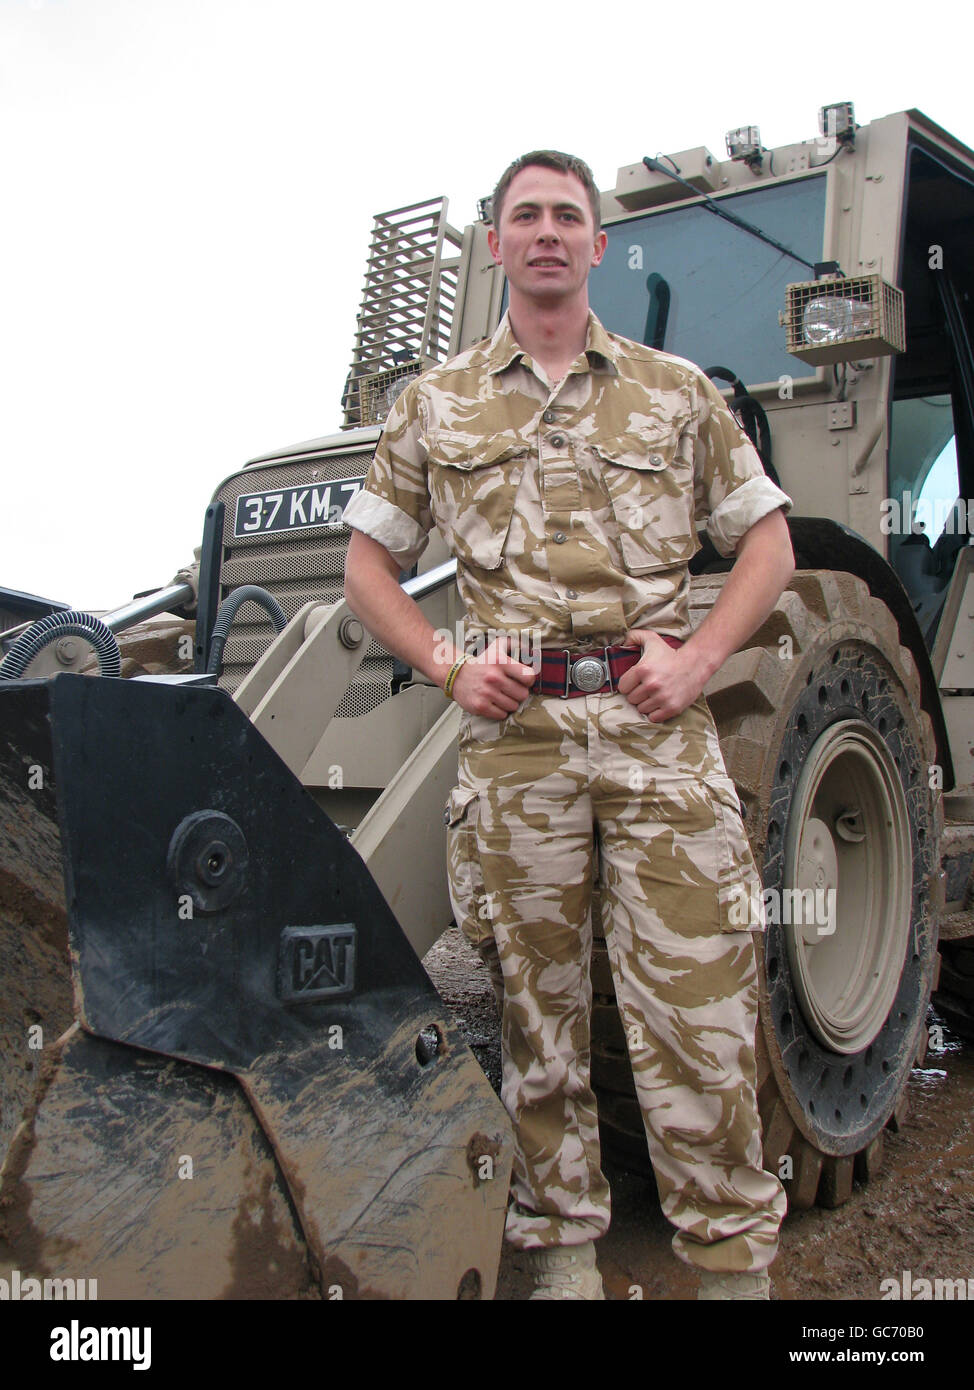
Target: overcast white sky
x=188, y=188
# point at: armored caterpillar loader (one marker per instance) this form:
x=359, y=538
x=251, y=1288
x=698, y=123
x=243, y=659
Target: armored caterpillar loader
x=298, y=802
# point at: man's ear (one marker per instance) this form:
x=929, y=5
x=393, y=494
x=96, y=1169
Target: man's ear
x=598, y=251
x=494, y=243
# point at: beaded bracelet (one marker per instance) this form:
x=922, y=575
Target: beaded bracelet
x=452, y=674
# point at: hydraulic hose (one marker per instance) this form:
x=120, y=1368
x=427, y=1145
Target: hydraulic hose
x=227, y=613
x=71, y=624
x=752, y=416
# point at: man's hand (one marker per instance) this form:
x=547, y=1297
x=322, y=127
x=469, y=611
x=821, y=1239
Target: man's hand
x=493, y=684
x=664, y=681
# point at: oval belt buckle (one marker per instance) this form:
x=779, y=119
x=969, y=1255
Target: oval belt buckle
x=589, y=674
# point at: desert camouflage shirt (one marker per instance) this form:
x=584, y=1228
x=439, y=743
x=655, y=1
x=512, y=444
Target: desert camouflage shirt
x=571, y=507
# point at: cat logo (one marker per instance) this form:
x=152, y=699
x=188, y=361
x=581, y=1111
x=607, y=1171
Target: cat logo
x=316, y=962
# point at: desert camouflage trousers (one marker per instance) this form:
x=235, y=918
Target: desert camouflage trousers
x=538, y=796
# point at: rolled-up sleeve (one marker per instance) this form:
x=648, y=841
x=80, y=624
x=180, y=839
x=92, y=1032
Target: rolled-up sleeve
x=393, y=505
x=731, y=489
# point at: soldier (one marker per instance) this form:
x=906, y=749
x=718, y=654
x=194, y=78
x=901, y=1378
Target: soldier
x=565, y=466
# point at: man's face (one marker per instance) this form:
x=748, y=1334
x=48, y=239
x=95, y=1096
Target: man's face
x=546, y=240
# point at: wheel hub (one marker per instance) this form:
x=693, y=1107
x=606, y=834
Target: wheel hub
x=817, y=874
x=849, y=920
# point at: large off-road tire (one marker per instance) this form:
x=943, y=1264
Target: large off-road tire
x=822, y=729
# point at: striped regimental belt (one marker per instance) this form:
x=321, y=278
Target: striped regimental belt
x=588, y=673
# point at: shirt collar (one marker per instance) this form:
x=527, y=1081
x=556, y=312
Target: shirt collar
x=504, y=348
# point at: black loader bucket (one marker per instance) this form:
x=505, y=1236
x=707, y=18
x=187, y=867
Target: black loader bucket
x=224, y=1071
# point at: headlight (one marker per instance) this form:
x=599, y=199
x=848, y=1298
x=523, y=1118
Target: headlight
x=391, y=394
x=744, y=143
x=835, y=320
x=843, y=319
x=379, y=391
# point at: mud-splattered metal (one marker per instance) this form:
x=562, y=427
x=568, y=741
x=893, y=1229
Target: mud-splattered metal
x=198, y=1136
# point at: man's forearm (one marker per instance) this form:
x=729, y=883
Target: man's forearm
x=493, y=684
x=763, y=566
x=373, y=592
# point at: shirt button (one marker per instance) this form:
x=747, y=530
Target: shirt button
x=573, y=593
x=559, y=538
x=557, y=441
x=656, y=460
x=550, y=416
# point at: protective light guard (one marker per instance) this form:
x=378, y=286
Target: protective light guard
x=884, y=334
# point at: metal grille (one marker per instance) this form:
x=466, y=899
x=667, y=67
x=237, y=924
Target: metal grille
x=377, y=393
x=294, y=566
x=406, y=314
x=868, y=315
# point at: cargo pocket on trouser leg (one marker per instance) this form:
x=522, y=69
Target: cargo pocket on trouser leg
x=739, y=891
x=471, y=904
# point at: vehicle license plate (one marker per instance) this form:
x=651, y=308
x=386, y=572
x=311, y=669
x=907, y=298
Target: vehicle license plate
x=295, y=508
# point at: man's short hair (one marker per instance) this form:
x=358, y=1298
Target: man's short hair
x=547, y=159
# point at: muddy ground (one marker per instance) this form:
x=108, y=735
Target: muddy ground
x=916, y=1215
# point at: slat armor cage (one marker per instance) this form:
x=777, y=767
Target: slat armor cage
x=405, y=324
x=871, y=306
x=406, y=316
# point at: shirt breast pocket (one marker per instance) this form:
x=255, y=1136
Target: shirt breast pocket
x=650, y=487
x=473, y=482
